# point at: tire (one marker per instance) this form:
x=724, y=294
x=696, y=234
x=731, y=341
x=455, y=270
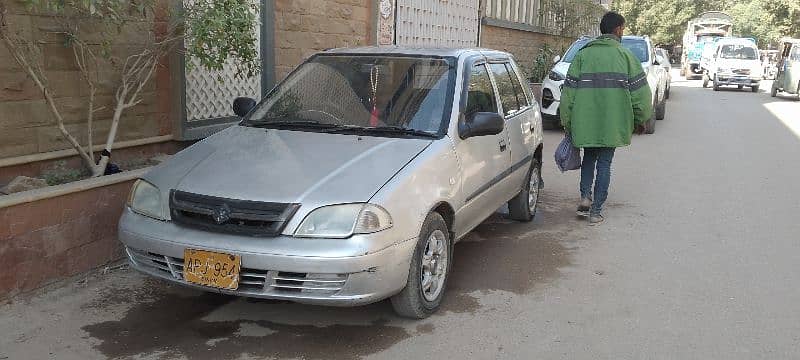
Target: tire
x=774, y=91
x=754, y=89
x=661, y=110
x=650, y=125
x=666, y=94
x=716, y=84
x=412, y=302
x=705, y=81
x=740, y=87
x=520, y=207
x=683, y=71
x=798, y=91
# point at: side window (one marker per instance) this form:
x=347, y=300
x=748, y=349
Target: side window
x=480, y=96
x=505, y=87
x=522, y=98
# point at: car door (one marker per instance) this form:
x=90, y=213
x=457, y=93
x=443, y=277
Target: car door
x=793, y=69
x=519, y=122
x=485, y=160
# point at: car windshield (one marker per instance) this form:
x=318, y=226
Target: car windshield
x=739, y=52
x=573, y=50
x=637, y=47
x=361, y=92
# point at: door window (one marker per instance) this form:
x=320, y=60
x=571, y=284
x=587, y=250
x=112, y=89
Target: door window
x=522, y=97
x=480, y=96
x=505, y=87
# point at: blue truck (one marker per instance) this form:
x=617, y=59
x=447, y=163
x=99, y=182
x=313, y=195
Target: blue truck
x=700, y=32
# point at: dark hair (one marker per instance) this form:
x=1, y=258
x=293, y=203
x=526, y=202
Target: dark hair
x=611, y=21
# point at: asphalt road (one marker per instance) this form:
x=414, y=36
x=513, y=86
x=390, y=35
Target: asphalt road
x=699, y=258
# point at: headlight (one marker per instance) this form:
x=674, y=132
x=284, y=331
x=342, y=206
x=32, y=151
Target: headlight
x=145, y=199
x=556, y=76
x=342, y=221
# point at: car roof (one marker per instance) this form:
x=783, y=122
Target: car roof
x=635, y=37
x=417, y=51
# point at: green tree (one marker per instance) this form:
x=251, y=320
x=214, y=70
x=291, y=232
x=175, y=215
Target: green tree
x=665, y=20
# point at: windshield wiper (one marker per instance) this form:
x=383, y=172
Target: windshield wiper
x=303, y=124
x=399, y=130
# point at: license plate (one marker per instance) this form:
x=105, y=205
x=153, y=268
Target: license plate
x=741, y=81
x=211, y=268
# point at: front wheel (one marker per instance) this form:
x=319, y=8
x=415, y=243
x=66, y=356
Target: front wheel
x=716, y=84
x=754, y=88
x=427, y=276
x=774, y=91
x=523, y=206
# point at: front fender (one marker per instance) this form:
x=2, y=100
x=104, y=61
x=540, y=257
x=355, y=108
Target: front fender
x=432, y=178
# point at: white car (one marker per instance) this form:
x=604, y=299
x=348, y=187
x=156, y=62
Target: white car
x=640, y=46
x=552, y=85
x=734, y=61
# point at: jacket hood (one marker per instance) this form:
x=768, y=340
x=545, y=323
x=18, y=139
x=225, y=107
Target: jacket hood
x=286, y=166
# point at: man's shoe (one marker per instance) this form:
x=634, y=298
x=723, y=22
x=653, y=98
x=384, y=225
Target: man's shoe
x=584, y=206
x=595, y=219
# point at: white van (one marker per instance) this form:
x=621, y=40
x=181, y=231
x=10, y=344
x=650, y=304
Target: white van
x=735, y=61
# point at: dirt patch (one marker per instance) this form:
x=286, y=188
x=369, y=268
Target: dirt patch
x=425, y=328
x=502, y=254
x=173, y=326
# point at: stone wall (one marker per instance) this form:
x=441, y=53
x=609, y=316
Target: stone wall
x=524, y=45
x=26, y=124
x=303, y=27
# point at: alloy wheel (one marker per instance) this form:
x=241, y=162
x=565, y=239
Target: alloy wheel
x=434, y=265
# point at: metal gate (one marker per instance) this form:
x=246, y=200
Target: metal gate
x=437, y=23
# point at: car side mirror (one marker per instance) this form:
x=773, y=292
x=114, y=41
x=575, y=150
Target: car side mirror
x=556, y=59
x=656, y=62
x=243, y=105
x=480, y=124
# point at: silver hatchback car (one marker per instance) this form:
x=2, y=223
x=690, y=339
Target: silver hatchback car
x=348, y=183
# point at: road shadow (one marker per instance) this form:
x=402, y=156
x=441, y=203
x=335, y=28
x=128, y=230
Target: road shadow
x=168, y=321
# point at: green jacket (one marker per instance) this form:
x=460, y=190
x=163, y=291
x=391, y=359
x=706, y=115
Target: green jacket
x=605, y=95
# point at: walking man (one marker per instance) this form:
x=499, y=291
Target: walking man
x=605, y=98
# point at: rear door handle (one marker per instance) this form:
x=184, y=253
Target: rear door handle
x=503, y=146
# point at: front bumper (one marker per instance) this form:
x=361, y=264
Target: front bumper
x=727, y=79
x=156, y=248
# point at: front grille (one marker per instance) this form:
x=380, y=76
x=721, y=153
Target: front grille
x=741, y=71
x=251, y=281
x=233, y=216
x=547, y=98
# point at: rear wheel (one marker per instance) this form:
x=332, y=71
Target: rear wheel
x=739, y=87
x=666, y=94
x=774, y=91
x=427, y=276
x=716, y=84
x=650, y=125
x=754, y=88
x=523, y=206
x=661, y=110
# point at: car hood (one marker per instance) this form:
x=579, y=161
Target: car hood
x=287, y=166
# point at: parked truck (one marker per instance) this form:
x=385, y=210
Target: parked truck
x=700, y=32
